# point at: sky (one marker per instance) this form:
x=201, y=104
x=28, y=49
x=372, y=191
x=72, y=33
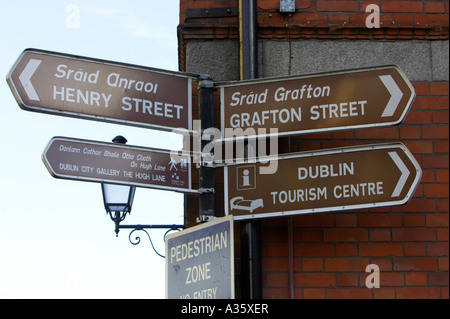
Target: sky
x=56, y=240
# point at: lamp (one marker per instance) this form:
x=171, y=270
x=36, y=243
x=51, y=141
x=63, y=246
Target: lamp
x=118, y=199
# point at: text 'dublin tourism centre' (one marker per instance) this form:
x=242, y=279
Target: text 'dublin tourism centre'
x=322, y=181
x=69, y=85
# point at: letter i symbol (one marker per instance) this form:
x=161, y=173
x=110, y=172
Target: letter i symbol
x=245, y=178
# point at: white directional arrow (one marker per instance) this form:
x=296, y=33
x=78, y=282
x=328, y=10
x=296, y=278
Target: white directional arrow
x=405, y=173
x=396, y=95
x=25, y=79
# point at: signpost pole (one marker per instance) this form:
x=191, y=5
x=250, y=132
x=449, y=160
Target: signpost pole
x=206, y=174
x=250, y=230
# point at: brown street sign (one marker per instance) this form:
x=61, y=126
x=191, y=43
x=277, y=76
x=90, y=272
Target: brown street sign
x=74, y=86
x=92, y=161
x=323, y=181
x=361, y=98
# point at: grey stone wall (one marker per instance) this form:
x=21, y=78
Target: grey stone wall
x=420, y=60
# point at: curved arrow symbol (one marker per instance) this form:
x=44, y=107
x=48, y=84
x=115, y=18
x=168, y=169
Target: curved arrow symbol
x=396, y=95
x=405, y=173
x=25, y=79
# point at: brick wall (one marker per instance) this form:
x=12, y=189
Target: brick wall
x=409, y=243
x=325, y=255
x=317, y=19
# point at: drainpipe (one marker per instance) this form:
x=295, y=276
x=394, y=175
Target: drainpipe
x=248, y=38
x=250, y=235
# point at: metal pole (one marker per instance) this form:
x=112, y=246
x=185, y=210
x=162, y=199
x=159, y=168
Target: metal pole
x=248, y=38
x=206, y=175
x=251, y=274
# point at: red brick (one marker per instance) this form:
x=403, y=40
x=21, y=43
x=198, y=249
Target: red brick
x=346, y=249
x=309, y=19
x=314, y=279
x=314, y=293
x=445, y=293
x=384, y=293
x=274, y=19
x=349, y=293
x=380, y=249
x=419, y=147
x=385, y=133
x=438, y=278
x=385, y=263
x=428, y=176
x=347, y=279
x=313, y=220
x=380, y=220
x=418, y=117
x=436, y=190
x=440, y=146
x=435, y=161
x=438, y=249
x=416, y=278
x=415, y=249
x=401, y=6
x=345, y=235
x=418, y=293
x=440, y=117
x=415, y=105
x=415, y=263
x=434, y=7
x=338, y=19
x=442, y=205
x=410, y=132
x=337, y=6
x=313, y=250
x=404, y=19
x=439, y=89
x=416, y=205
x=312, y=264
x=277, y=279
x=421, y=88
x=346, y=264
x=274, y=234
x=413, y=234
x=346, y=220
x=414, y=220
x=275, y=264
x=391, y=279
x=442, y=234
x=431, y=19
x=434, y=102
x=311, y=235
x=437, y=220
x=356, y=19
x=443, y=263
x=442, y=176
x=277, y=250
x=380, y=234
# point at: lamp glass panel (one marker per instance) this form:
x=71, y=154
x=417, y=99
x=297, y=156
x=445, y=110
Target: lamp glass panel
x=116, y=196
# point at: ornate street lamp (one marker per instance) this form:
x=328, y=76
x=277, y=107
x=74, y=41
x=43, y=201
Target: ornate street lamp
x=118, y=199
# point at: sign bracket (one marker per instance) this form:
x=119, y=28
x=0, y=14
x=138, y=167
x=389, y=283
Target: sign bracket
x=143, y=228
